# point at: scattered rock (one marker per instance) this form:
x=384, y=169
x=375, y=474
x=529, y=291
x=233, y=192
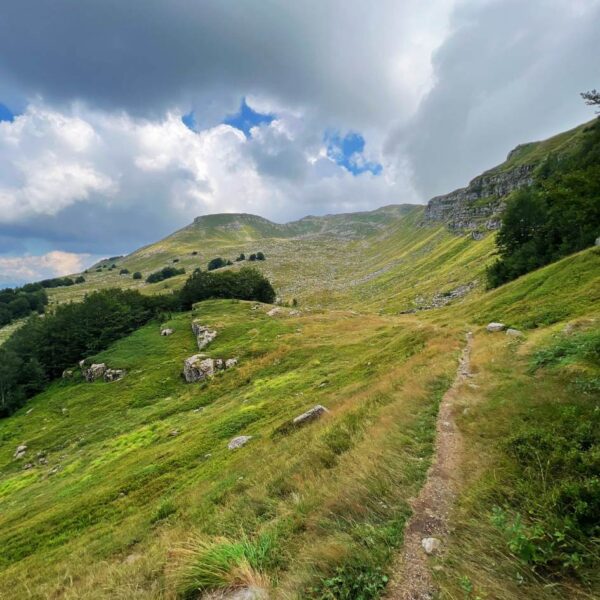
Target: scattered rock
x=64, y=411
x=54, y=470
x=20, y=451
x=274, y=311
x=239, y=441
x=310, y=415
x=294, y=313
x=477, y=235
x=431, y=545
x=199, y=409
x=494, y=327
x=249, y=593
x=174, y=432
x=200, y=367
x=113, y=374
x=27, y=466
x=204, y=335
x=514, y=332
x=94, y=371
x=597, y=242
x=67, y=374
x=167, y=331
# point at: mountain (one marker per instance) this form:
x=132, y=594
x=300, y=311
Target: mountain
x=129, y=489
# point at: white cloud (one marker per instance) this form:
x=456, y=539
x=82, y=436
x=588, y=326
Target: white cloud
x=32, y=268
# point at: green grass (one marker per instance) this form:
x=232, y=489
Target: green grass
x=125, y=486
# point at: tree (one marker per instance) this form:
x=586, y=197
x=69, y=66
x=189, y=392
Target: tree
x=241, y=257
x=124, y=272
x=80, y=279
x=252, y=257
x=137, y=275
x=592, y=98
x=260, y=256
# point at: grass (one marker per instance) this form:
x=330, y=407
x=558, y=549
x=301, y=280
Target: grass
x=119, y=484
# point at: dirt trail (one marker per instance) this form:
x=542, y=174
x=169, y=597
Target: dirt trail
x=412, y=579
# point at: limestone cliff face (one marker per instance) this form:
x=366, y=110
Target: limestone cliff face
x=481, y=202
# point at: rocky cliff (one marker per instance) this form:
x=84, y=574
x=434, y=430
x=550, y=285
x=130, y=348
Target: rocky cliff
x=480, y=204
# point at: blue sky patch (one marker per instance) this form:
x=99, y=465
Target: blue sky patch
x=347, y=151
x=5, y=113
x=246, y=118
x=189, y=120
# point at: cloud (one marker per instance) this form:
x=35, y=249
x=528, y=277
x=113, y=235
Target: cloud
x=33, y=268
x=351, y=63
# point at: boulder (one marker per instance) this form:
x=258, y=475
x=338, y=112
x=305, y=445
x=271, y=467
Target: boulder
x=274, y=311
x=94, y=372
x=114, y=374
x=514, y=332
x=167, y=331
x=204, y=335
x=200, y=367
x=310, y=415
x=239, y=441
x=431, y=545
x=494, y=327
x=67, y=374
x=20, y=451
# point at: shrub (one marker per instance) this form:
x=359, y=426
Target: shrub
x=245, y=284
x=164, y=273
x=216, y=263
x=137, y=275
x=80, y=279
x=260, y=256
x=124, y=272
x=252, y=257
x=241, y=257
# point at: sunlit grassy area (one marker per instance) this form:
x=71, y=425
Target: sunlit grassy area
x=135, y=472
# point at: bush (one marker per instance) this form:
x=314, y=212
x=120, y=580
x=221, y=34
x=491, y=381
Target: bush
x=252, y=257
x=216, y=263
x=245, y=284
x=260, y=256
x=57, y=282
x=124, y=272
x=165, y=273
x=137, y=275
x=80, y=279
x=241, y=257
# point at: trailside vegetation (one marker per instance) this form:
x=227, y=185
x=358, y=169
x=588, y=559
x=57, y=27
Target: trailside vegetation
x=558, y=215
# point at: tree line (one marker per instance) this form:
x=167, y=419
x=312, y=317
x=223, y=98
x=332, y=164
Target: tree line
x=39, y=351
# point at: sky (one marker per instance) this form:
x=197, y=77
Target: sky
x=122, y=121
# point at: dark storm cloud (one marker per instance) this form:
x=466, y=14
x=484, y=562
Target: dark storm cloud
x=147, y=55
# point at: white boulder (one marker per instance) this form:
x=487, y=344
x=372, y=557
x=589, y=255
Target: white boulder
x=494, y=327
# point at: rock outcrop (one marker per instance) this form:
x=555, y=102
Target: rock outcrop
x=480, y=204
x=204, y=335
x=494, y=327
x=166, y=331
x=100, y=371
x=200, y=367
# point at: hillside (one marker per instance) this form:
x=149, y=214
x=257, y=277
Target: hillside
x=135, y=478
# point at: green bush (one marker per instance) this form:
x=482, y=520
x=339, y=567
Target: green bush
x=164, y=273
x=137, y=275
x=352, y=582
x=216, y=263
